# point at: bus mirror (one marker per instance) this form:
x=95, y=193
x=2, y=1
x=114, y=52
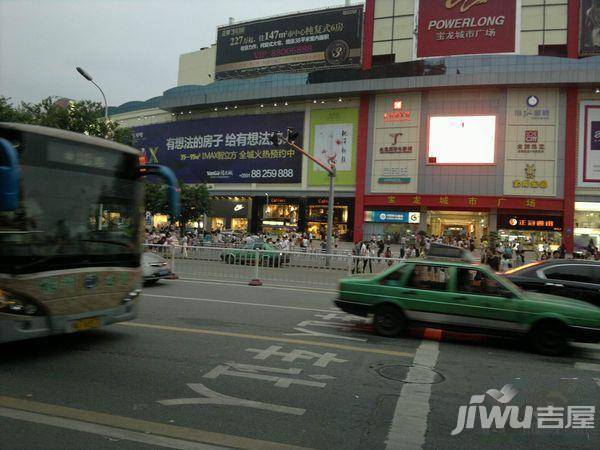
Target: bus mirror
x=173, y=190
x=9, y=177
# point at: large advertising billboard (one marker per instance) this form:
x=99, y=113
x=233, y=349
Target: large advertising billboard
x=589, y=26
x=530, y=150
x=460, y=27
x=589, y=144
x=304, y=41
x=333, y=138
x=396, y=141
x=232, y=149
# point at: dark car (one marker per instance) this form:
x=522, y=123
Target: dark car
x=573, y=278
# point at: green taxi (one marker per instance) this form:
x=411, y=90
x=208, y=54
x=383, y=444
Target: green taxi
x=269, y=255
x=467, y=297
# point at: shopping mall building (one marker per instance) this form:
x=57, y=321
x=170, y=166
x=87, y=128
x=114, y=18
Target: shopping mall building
x=460, y=117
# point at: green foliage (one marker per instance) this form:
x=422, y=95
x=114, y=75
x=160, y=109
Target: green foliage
x=83, y=116
x=195, y=201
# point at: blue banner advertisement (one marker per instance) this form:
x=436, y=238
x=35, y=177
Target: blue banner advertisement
x=232, y=149
x=392, y=217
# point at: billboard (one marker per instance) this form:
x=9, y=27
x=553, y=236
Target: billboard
x=304, y=41
x=460, y=27
x=589, y=27
x=233, y=149
x=461, y=140
x=395, y=149
x=589, y=145
x=392, y=217
x=333, y=138
x=530, y=144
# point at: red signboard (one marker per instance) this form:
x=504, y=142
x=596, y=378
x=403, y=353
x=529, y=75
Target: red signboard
x=460, y=27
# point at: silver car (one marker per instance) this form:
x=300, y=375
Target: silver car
x=155, y=267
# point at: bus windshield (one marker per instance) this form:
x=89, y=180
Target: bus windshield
x=79, y=207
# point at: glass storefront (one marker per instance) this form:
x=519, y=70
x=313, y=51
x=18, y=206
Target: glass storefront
x=217, y=223
x=239, y=224
x=280, y=218
x=317, y=221
x=458, y=224
x=535, y=232
x=587, y=226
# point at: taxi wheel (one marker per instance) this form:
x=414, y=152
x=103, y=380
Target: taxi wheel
x=389, y=321
x=550, y=338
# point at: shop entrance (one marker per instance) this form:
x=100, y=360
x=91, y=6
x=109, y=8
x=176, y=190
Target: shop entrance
x=458, y=224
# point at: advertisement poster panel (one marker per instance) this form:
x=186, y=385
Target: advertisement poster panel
x=460, y=27
x=395, y=151
x=589, y=145
x=232, y=149
x=530, y=142
x=304, y=41
x=333, y=137
x=589, y=27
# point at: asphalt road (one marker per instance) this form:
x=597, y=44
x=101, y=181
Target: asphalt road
x=210, y=365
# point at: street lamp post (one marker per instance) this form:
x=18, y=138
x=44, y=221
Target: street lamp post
x=88, y=77
x=290, y=139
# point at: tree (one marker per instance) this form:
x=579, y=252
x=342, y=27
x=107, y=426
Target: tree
x=195, y=201
x=83, y=116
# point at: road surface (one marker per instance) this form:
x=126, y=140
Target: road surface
x=211, y=365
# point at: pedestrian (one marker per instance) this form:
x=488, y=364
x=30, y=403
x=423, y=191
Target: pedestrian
x=368, y=254
x=388, y=256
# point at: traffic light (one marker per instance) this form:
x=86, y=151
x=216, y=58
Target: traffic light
x=292, y=135
x=275, y=138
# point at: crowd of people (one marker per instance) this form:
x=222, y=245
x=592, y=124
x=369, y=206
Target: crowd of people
x=499, y=255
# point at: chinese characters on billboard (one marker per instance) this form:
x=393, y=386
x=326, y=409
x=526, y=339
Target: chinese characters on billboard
x=459, y=27
x=232, y=149
x=304, y=41
x=589, y=23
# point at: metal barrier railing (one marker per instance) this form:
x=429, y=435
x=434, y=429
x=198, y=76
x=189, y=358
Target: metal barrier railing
x=272, y=266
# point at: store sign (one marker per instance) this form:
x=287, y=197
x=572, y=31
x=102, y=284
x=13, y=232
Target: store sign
x=531, y=142
x=304, y=41
x=537, y=223
x=225, y=149
x=395, y=141
x=395, y=175
x=589, y=145
x=589, y=22
x=392, y=217
x=459, y=27
x=530, y=180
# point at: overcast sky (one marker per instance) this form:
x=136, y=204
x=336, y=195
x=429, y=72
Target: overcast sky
x=130, y=47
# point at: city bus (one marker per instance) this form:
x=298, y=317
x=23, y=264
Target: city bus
x=71, y=209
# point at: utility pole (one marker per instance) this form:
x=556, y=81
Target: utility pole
x=289, y=139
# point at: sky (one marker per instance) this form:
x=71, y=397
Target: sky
x=130, y=47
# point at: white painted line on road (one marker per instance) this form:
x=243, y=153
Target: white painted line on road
x=409, y=423
x=214, y=300
x=588, y=366
x=597, y=381
x=104, y=430
x=216, y=398
x=245, y=284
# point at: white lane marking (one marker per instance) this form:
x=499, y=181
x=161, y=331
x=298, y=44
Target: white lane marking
x=304, y=331
x=103, y=430
x=597, y=381
x=245, y=284
x=252, y=371
x=588, y=366
x=216, y=398
x=214, y=300
x=409, y=423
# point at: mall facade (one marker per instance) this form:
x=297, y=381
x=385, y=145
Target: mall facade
x=465, y=119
